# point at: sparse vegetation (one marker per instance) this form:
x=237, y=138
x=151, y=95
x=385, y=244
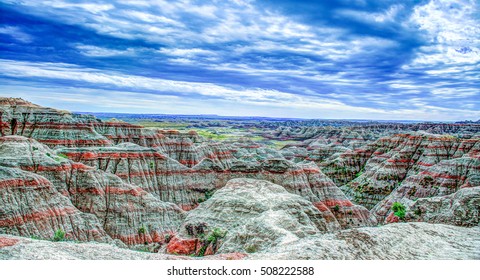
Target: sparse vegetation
x=59, y=235
x=215, y=235
x=251, y=249
x=211, y=135
x=399, y=210
x=63, y=156
x=142, y=230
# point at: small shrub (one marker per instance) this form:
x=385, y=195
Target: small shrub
x=142, y=230
x=336, y=208
x=216, y=234
x=213, y=237
x=399, y=210
x=190, y=229
x=209, y=193
x=251, y=249
x=196, y=229
x=167, y=238
x=59, y=235
x=418, y=212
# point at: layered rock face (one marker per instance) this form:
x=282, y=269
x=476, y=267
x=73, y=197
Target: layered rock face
x=20, y=248
x=373, y=172
x=461, y=208
x=258, y=214
x=118, y=182
x=444, y=178
x=48, y=126
x=125, y=211
x=31, y=206
x=394, y=241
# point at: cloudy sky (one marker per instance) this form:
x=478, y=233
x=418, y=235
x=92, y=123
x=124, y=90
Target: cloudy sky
x=360, y=59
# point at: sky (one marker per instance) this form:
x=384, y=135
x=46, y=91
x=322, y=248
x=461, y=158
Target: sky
x=340, y=59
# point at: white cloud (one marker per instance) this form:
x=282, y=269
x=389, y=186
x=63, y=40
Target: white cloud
x=95, y=51
x=186, y=52
x=16, y=33
x=449, y=28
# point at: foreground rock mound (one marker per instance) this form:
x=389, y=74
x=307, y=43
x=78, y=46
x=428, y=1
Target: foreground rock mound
x=20, y=248
x=394, y=241
x=257, y=215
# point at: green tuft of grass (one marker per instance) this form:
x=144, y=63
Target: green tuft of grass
x=59, y=235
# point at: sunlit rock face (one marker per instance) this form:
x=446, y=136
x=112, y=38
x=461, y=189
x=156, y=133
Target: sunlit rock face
x=121, y=208
x=171, y=181
x=390, y=242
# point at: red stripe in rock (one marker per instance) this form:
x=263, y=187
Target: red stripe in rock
x=11, y=183
x=39, y=215
x=6, y=241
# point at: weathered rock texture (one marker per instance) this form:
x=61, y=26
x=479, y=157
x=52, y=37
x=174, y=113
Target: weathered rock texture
x=258, y=214
x=125, y=211
x=114, y=181
x=19, y=248
x=371, y=173
x=402, y=241
x=393, y=241
x=31, y=206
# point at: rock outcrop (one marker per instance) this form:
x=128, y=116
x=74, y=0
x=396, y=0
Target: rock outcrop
x=126, y=212
x=31, y=206
x=116, y=182
x=257, y=215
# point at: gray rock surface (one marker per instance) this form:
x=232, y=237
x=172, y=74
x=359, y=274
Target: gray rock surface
x=393, y=241
x=257, y=215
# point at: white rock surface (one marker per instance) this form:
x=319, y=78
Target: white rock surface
x=257, y=215
x=394, y=241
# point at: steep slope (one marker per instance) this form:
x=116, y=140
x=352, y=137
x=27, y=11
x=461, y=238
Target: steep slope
x=370, y=174
x=127, y=212
x=31, y=206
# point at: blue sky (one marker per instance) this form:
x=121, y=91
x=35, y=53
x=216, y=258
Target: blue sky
x=405, y=60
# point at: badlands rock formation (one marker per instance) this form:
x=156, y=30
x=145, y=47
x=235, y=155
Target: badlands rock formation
x=168, y=191
x=257, y=215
